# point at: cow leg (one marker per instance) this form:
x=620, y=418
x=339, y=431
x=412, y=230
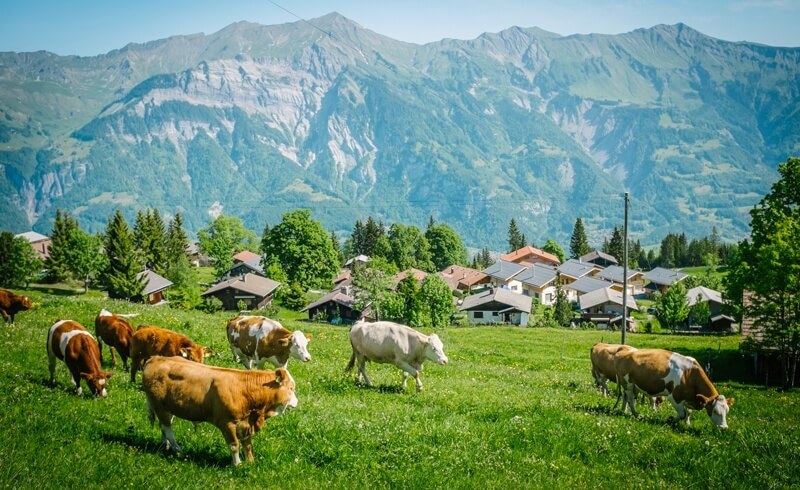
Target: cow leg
x=112, y=349
x=683, y=413
x=236, y=357
x=363, y=372
x=413, y=371
x=229, y=433
x=51, y=364
x=5, y=316
x=76, y=379
x=135, y=362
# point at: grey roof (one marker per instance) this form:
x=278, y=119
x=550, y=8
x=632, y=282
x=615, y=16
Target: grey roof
x=503, y=270
x=596, y=254
x=665, y=277
x=337, y=296
x=359, y=258
x=605, y=295
x=33, y=236
x=248, y=283
x=705, y=294
x=506, y=297
x=153, y=282
x=575, y=268
x=538, y=275
x=587, y=285
x=614, y=273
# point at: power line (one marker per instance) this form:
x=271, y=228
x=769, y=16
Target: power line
x=329, y=34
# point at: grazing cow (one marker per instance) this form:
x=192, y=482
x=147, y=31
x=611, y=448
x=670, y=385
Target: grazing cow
x=116, y=332
x=257, y=339
x=73, y=344
x=603, y=370
x=388, y=342
x=238, y=403
x=148, y=341
x=680, y=378
x=11, y=304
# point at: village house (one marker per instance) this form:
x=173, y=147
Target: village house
x=573, y=269
x=255, y=291
x=497, y=305
x=460, y=278
x=603, y=307
x=718, y=321
x=539, y=282
x=584, y=285
x=154, y=286
x=597, y=257
x=39, y=242
x=249, y=266
x=616, y=273
x=336, y=307
x=660, y=279
x=502, y=275
x=528, y=255
x=418, y=275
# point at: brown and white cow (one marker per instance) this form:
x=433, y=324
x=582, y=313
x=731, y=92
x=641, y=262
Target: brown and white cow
x=393, y=343
x=603, y=370
x=255, y=340
x=237, y=402
x=116, y=332
x=11, y=304
x=72, y=343
x=148, y=341
x=680, y=378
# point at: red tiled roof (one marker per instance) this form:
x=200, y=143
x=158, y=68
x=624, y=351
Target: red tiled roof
x=245, y=255
x=526, y=253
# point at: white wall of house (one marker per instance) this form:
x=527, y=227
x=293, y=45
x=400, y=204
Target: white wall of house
x=512, y=285
x=546, y=296
x=489, y=317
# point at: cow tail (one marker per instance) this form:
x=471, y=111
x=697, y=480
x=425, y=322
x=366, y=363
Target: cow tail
x=352, y=358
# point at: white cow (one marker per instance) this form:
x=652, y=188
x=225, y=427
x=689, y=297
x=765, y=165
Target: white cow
x=388, y=342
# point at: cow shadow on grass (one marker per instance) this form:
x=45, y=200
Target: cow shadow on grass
x=201, y=457
x=662, y=417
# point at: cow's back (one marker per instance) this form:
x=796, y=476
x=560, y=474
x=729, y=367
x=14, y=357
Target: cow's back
x=114, y=330
x=647, y=369
x=175, y=385
x=383, y=341
x=257, y=336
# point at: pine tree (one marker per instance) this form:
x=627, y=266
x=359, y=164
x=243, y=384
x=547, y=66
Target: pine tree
x=177, y=241
x=516, y=240
x=57, y=262
x=337, y=247
x=150, y=239
x=18, y=261
x=357, y=239
x=579, y=243
x=562, y=310
x=123, y=260
x=615, y=246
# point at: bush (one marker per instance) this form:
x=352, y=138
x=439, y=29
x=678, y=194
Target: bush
x=210, y=304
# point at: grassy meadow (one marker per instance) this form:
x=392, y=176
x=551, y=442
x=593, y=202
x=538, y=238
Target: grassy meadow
x=514, y=408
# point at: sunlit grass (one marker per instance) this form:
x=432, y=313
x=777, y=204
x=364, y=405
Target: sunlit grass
x=514, y=408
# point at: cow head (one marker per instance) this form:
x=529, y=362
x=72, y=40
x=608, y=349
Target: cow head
x=299, y=345
x=286, y=399
x=717, y=409
x=194, y=353
x=435, y=350
x=25, y=303
x=97, y=382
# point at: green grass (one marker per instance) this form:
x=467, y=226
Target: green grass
x=514, y=408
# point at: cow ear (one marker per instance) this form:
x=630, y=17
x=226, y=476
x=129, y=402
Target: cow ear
x=284, y=341
x=86, y=376
x=207, y=352
x=280, y=375
x=703, y=400
x=309, y=336
x=107, y=374
x=730, y=401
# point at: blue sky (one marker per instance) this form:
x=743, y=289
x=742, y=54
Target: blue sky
x=90, y=27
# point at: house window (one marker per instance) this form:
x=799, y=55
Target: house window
x=494, y=313
x=550, y=297
x=477, y=314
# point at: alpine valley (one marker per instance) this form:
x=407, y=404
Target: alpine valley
x=254, y=121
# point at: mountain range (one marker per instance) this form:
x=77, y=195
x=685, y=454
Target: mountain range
x=254, y=121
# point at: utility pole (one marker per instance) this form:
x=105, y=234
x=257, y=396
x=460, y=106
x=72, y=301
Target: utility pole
x=625, y=272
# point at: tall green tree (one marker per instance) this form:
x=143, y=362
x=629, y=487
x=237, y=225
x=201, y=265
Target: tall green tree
x=85, y=258
x=150, y=238
x=482, y=259
x=616, y=245
x=438, y=300
x=413, y=313
x=516, y=240
x=177, y=245
x=224, y=237
x=372, y=288
x=19, y=262
x=562, y=310
x=409, y=248
x=699, y=312
x=552, y=246
x=56, y=262
x=302, y=247
x=446, y=247
x=672, y=307
x=579, y=243
x=769, y=268
x=337, y=247
x=124, y=262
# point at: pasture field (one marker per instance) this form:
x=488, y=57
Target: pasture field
x=514, y=408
